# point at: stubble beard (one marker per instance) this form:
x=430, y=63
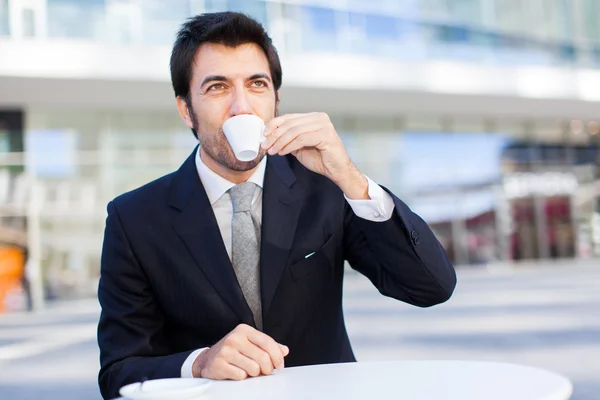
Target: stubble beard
x=218, y=148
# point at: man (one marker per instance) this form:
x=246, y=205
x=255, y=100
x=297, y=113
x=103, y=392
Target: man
x=224, y=269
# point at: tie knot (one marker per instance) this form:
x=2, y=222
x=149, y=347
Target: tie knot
x=241, y=196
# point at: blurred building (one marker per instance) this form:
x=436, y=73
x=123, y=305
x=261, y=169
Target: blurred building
x=482, y=114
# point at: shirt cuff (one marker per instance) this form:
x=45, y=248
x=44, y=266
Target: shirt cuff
x=186, y=368
x=378, y=209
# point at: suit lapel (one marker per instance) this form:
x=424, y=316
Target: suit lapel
x=197, y=227
x=282, y=203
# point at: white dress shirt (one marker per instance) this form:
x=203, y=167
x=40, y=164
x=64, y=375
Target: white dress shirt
x=378, y=209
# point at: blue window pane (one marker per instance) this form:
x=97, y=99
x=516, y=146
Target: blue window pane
x=586, y=155
x=565, y=17
x=80, y=19
x=591, y=10
x=453, y=34
x=256, y=9
x=596, y=57
x=567, y=53
x=319, y=29
x=468, y=11
x=161, y=20
x=406, y=28
x=357, y=20
x=358, y=43
x=320, y=19
x=213, y=5
x=553, y=155
x=519, y=153
x=484, y=39
x=174, y=10
x=380, y=27
x=4, y=17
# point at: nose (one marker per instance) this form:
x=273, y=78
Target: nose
x=240, y=103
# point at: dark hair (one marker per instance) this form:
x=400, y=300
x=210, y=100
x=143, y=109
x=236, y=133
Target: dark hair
x=227, y=28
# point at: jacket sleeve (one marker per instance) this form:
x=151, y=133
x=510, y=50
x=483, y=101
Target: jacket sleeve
x=130, y=335
x=401, y=256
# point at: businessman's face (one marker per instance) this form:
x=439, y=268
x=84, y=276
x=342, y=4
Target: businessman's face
x=228, y=81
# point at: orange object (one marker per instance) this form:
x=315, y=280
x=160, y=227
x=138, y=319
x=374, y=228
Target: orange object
x=12, y=268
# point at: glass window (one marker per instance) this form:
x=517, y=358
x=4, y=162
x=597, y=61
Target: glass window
x=4, y=17
x=429, y=9
x=511, y=15
x=380, y=27
x=53, y=151
x=320, y=19
x=355, y=37
x=319, y=28
x=381, y=36
x=80, y=19
x=596, y=57
x=591, y=10
x=549, y=138
x=28, y=22
x=566, y=53
x=257, y=9
x=453, y=34
x=162, y=20
x=4, y=141
x=557, y=19
x=586, y=154
x=468, y=11
x=215, y=5
x=175, y=10
x=383, y=6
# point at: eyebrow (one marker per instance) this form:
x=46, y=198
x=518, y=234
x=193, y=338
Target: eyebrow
x=221, y=78
x=259, y=76
x=212, y=78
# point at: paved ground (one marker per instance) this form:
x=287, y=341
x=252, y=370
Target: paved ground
x=547, y=317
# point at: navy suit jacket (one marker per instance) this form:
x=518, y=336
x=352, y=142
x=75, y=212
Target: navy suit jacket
x=167, y=286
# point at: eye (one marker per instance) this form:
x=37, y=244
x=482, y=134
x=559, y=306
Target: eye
x=216, y=86
x=259, y=84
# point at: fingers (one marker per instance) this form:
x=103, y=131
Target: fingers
x=248, y=365
x=282, y=127
x=284, y=350
x=300, y=134
x=225, y=364
x=286, y=130
x=278, y=121
x=230, y=371
x=313, y=139
x=287, y=121
x=270, y=348
x=244, y=352
x=260, y=357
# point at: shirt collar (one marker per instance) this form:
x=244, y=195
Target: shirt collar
x=216, y=186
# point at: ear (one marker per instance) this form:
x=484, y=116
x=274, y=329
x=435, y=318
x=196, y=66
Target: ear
x=184, y=111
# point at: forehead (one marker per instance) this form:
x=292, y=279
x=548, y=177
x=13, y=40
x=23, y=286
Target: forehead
x=216, y=59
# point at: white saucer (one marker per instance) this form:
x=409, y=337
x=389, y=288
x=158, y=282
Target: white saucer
x=161, y=389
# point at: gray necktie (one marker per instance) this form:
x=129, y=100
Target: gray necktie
x=245, y=247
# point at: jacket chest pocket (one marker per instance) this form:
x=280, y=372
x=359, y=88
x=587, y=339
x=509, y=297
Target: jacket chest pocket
x=322, y=258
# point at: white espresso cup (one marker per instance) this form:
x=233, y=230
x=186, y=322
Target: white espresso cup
x=245, y=135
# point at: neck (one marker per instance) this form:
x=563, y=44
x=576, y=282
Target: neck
x=221, y=170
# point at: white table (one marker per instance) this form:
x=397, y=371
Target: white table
x=405, y=380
